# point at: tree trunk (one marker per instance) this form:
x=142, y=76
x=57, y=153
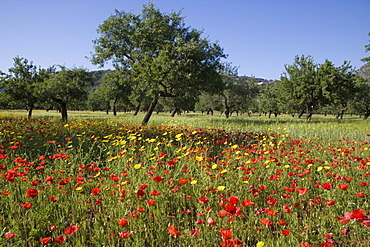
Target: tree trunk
x=63, y=111
x=270, y=112
x=115, y=107
x=227, y=112
x=308, y=112
x=367, y=114
x=173, y=111
x=149, y=111
x=107, y=108
x=301, y=114
x=30, y=111
x=137, y=109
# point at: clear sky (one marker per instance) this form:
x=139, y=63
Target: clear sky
x=260, y=36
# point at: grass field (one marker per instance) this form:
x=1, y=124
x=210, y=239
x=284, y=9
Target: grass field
x=191, y=180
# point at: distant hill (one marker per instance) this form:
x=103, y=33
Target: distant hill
x=98, y=74
x=364, y=71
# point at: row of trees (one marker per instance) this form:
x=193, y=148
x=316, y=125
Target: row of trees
x=156, y=56
x=27, y=86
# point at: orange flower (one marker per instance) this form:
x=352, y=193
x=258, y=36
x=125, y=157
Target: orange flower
x=173, y=232
x=124, y=234
x=10, y=234
x=45, y=241
x=71, y=230
x=60, y=239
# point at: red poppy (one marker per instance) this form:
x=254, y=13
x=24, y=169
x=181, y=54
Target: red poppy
x=272, y=212
x=247, y=202
x=285, y=232
x=71, y=230
x=10, y=234
x=330, y=202
x=31, y=193
x=183, y=181
x=232, y=243
x=172, y=231
x=282, y=222
x=60, y=239
x=195, y=232
x=151, y=202
x=143, y=186
x=358, y=214
x=326, y=245
x=26, y=205
x=140, y=193
x=302, y=191
x=328, y=235
x=155, y=193
x=326, y=186
x=45, y=241
x=226, y=233
x=211, y=222
x=123, y=222
x=158, y=179
x=140, y=209
x=124, y=234
x=233, y=199
x=203, y=199
x=343, y=186
x=266, y=222
x=305, y=244
x=95, y=191
x=363, y=183
x=271, y=201
x=34, y=182
x=6, y=192
x=360, y=194
x=53, y=227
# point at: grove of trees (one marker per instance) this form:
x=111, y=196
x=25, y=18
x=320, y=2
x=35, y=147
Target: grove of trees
x=162, y=65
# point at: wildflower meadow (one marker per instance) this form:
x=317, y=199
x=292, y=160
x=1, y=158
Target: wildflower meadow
x=105, y=182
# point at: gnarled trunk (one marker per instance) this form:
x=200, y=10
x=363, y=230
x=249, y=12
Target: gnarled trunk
x=149, y=111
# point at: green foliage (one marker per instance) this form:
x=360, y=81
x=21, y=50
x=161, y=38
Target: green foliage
x=65, y=87
x=268, y=99
x=367, y=48
x=163, y=56
x=21, y=84
x=305, y=85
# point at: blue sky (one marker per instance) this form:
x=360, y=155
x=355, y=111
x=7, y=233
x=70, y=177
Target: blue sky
x=260, y=36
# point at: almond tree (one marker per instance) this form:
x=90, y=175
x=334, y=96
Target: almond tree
x=163, y=57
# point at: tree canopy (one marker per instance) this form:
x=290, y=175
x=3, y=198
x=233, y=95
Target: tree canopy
x=161, y=54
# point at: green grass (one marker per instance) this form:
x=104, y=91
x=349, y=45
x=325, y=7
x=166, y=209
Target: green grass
x=324, y=127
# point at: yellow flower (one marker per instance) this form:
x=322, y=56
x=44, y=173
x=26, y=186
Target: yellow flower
x=214, y=166
x=193, y=182
x=320, y=168
x=97, y=175
x=260, y=244
x=79, y=188
x=137, y=166
x=220, y=188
